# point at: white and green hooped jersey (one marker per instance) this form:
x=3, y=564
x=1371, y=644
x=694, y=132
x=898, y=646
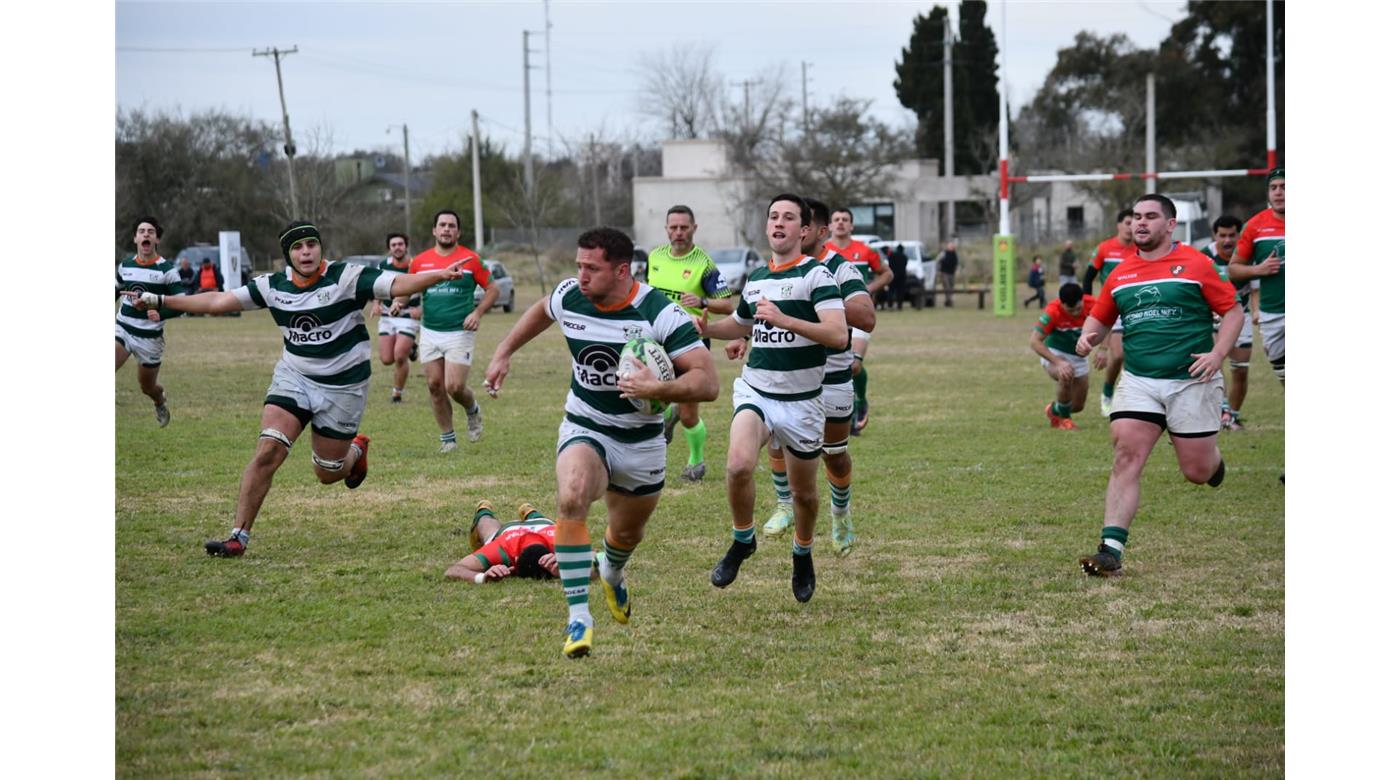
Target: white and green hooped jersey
x=596, y=337
x=161, y=278
x=852, y=283
x=782, y=364
x=387, y=264
x=323, y=325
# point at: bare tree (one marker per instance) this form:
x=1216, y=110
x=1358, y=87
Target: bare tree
x=680, y=89
x=841, y=159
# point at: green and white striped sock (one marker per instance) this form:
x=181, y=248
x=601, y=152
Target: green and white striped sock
x=575, y=564
x=616, y=558
x=1115, y=539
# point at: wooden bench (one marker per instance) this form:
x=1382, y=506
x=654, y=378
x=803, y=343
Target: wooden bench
x=927, y=297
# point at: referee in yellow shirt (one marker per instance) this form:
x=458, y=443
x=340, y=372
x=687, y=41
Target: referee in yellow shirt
x=688, y=276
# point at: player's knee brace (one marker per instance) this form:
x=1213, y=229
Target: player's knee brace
x=1278, y=367
x=1238, y=365
x=835, y=447
x=327, y=465
x=277, y=436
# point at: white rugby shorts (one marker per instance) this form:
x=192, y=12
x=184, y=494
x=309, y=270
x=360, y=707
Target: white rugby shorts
x=839, y=401
x=454, y=346
x=398, y=326
x=796, y=425
x=634, y=468
x=1191, y=407
x=1081, y=365
x=336, y=410
x=1271, y=328
x=148, y=352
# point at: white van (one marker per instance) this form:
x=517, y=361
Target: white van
x=921, y=274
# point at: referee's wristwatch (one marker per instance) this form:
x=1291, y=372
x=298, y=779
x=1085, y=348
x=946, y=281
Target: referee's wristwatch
x=704, y=303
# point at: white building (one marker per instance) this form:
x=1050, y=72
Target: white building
x=697, y=173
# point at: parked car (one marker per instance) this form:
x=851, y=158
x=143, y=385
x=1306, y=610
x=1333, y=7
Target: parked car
x=196, y=254
x=367, y=260
x=505, y=285
x=921, y=273
x=736, y=263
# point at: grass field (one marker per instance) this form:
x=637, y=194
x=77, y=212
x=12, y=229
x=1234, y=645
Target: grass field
x=959, y=639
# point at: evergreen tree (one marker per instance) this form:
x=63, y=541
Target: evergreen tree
x=919, y=86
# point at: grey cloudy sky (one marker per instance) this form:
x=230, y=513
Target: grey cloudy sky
x=361, y=67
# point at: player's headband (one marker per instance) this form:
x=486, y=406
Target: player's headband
x=296, y=232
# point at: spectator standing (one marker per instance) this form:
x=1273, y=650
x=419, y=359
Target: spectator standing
x=1068, y=264
x=947, y=269
x=899, y=266
x=187, y=279
x=1036, y=280
x=209, y=279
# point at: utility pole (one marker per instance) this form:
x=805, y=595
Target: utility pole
x=548, y=79
x=806, y=125
x=1151, y=133
x=476, y=184
x=748, y=121
x=593, y=171
x=407, y=171
x=407, y=194
x=951, y=223
x=288, y=147
x=529, y=159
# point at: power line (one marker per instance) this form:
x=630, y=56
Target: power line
x=189, y=49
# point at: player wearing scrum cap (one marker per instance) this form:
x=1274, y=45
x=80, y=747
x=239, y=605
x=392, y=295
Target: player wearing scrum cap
x=607, y=448
x=142, y=333
x=322, y=379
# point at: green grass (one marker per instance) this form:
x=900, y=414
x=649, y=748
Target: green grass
x=959, y=639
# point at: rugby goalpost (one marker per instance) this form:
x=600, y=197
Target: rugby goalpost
x=1004, y=243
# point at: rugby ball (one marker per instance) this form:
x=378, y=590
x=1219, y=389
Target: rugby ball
x=653, y=358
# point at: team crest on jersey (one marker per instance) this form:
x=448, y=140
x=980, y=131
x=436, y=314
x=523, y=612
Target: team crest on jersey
x=1149, y=296
x=785, y=291
x=323, y=297
x=630, y=332
x=1177, y=269
x=685, y=274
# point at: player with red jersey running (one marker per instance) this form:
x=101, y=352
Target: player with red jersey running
x=1109, y=253
x=877, y=276
x=1167, y=295
x=451, y=317
x=1259, y=255
x=1053, y=338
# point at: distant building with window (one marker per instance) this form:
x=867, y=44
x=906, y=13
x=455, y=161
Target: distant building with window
x=911, y=207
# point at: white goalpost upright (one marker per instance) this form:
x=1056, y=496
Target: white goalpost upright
x=1003, y=249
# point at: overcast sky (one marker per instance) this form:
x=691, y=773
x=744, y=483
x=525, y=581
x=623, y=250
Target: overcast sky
x=361, y=67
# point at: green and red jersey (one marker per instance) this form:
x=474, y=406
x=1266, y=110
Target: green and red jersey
x=512, y=539
x=1263, y=236
x=1109, y=254
x=1166, y=306
x=447, y=304
x=866, y=260
x=1060, y=328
